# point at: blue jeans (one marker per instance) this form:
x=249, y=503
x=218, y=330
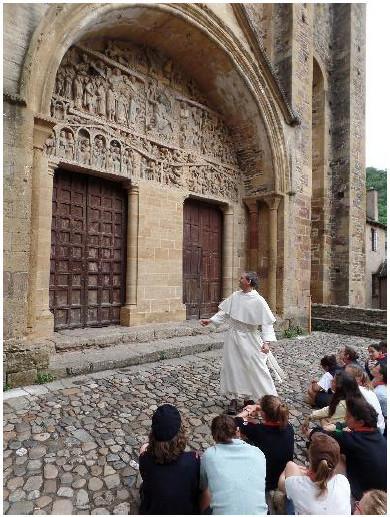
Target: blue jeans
x=290, y=510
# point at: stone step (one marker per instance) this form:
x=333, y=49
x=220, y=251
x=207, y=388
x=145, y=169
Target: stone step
x=352, y=328
x=96, y=338
x=105, y=337
x=77, y=362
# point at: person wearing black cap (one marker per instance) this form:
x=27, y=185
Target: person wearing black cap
x=170, y=476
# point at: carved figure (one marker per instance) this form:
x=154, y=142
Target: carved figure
x=127, y=161
x=99, y=152
x=51, y=145
x=101, y=98
x=121, y=111
x=59, y=88
x=174, y=175
x=115, y=157
x=111, y=100
x=62, y=144
x=84, y=151
x=69, y=147
x=68, y=82
x=78, y=90
x=89, y=98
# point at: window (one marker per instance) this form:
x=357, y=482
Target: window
x=374, y=239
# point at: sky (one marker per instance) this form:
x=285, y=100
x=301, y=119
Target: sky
x=377, y=85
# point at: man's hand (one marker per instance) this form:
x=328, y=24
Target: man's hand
x=265, y=347
x=204, y=323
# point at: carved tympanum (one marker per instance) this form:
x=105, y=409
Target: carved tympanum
x=130, y=111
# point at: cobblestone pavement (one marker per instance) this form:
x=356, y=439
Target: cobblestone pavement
x=72, y=446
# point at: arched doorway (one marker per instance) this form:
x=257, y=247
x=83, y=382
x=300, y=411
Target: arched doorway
x=233, y=95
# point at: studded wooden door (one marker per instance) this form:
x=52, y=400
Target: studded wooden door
x=201, y=259
x=87, y=267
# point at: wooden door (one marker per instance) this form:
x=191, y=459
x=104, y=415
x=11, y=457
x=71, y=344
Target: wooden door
x=201, y=259
x=87, y=269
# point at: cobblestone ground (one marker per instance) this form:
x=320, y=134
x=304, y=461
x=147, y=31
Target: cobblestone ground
x=74, y=447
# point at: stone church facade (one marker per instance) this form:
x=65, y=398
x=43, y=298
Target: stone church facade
x=153, y=152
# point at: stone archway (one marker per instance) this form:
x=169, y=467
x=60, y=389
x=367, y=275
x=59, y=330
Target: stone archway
x=234, y=83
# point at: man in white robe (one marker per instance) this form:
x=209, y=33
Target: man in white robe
x=244, y=371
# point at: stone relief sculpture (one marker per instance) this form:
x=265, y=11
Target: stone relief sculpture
x=131, y=111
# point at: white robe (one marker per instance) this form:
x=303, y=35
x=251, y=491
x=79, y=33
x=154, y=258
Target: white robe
x=244, y=372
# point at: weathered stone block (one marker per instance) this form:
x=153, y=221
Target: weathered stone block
x=22, y=377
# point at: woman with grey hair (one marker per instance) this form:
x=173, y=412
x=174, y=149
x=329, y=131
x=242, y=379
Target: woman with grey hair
x=246, y=351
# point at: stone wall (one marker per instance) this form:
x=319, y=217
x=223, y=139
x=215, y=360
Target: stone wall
x=350, y=320
x=347, y=313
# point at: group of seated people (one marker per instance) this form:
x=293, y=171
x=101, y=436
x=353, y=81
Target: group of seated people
x=250, y=468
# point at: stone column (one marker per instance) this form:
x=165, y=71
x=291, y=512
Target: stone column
x=41, y=320
x=273, y=203
x=227, y=251
x=132, y=254
x=253, y=233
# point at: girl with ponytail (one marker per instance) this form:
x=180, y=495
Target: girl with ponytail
x=318, y=490
x=274, y=435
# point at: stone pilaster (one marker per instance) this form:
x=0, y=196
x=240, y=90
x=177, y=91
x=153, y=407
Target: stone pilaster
x=227, y=253
x=273, y=204
x=253, y=240
x=41, y=320
x=132, y=254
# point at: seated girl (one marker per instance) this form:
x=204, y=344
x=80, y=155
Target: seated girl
x=318, y=489
x=343, y=387
x=319, y=392
x=274, y=435
x=170, y=476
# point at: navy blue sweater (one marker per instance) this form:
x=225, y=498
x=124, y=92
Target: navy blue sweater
x=277, y=444
x=172, y=488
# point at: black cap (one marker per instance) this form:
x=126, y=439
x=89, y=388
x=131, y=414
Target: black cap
x=166, y=422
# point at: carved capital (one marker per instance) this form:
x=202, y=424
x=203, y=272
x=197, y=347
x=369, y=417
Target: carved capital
x=251, y=204
x=52, y=166
x=272, y=201
x=43, y=127
x=131, y=187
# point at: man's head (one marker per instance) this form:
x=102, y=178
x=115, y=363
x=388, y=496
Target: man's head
x=249, y=279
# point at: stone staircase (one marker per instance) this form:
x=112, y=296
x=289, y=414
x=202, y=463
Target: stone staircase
x=84, y=351
x=350, y=320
